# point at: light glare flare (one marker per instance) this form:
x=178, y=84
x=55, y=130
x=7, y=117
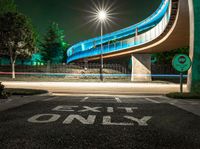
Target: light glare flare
x=102, y=15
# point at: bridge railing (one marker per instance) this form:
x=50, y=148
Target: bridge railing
x=138, y=40
x=64, y=68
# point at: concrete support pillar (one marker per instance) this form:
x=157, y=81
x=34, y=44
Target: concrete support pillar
x=136, y=32
x=141, y=67
x=194, y=72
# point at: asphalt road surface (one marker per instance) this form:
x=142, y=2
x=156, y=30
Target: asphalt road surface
x=98, y=123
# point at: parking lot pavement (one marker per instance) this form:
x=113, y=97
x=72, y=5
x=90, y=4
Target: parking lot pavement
x=86, y=122
x=16, y=101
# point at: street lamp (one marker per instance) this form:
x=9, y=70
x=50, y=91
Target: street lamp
x=102, y=17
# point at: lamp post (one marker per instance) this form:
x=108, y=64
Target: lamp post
x=102, y=16
x=101, y=57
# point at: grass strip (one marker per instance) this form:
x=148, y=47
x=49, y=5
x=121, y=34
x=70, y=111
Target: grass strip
x=184, y=95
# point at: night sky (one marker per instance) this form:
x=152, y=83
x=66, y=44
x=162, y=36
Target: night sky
x=71, y=15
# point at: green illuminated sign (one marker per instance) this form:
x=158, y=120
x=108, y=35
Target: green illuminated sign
x=181, y=62
x=153, y=59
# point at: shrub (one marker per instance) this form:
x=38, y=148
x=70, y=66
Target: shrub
x=184, y=95
x=3, y=94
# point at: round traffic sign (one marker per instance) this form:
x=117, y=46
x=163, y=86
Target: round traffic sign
x=181, y=62
x=153, y=58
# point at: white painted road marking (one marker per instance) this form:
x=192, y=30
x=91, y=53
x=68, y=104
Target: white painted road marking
x=128, y=109
x=110, y=109
x=36, y=118
x=90, y=120
x=118, y=100
x=141, y=122
x=107, y=121
x=151, y=100
x=49, y=99
x=194, y=103
x=92, y=109
x=64, y=108
x=81, y=109
x=84, y=99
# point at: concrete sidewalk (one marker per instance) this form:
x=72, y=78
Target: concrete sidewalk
x=99, y=88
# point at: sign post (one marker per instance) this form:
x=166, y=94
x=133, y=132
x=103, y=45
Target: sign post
x=181, y=82
x=181, y=63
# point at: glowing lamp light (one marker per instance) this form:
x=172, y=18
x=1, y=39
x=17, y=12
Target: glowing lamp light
x=102, y=15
